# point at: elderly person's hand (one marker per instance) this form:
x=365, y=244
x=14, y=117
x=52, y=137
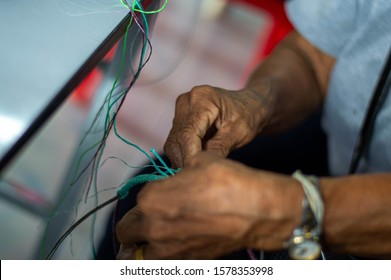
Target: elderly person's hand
x=217, y=120
x=214, y=206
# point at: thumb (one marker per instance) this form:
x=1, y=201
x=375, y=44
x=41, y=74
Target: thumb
x=221, y=144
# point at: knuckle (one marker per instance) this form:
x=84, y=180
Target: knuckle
x=242, y=128
x=202, y=89
x=200, y=92
x=194, y=95
x=181, y=99
x=245, y=132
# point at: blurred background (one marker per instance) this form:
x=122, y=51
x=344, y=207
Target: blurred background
x=194, y=42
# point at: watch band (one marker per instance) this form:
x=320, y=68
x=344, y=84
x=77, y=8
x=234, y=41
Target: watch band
x=304, y=243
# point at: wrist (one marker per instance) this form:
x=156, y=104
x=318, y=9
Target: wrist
x=304, y=244
x=279, y=212
x=261, y=101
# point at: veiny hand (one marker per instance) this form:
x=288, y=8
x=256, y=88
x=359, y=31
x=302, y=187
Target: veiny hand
x=214, y=206
x=217, y=120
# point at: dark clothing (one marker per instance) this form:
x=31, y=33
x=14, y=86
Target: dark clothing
x=303, y=147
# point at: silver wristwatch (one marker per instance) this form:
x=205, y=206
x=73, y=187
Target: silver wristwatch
x=304, y=244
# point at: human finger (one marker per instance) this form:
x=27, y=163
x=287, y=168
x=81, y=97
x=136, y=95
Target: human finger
x=221, y=143
x=129, y=228
x=228, y=137
x=195, y=114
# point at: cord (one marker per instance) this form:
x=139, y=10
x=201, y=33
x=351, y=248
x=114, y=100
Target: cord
x=77, y=223
x=377, y=101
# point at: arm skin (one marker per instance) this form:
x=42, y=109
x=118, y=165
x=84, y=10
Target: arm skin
x=358, y=208
x=296, y=76
x=358, y=214
x=288, y=86
x=215, y=205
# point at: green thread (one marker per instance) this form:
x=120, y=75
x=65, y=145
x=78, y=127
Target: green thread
x=158, y=169
x=118, y=75
x=161, y=174
x=169, y=170
x=140, y=179
x=124, y=191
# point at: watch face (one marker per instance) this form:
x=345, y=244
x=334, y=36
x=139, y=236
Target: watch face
x=305, y=250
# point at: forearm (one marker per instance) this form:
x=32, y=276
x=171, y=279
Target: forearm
x=357, y=218
x=295, y=78
x=358, y=214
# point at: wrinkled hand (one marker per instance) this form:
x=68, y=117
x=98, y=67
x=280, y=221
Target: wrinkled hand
x=214, y=206
x=214, y=119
